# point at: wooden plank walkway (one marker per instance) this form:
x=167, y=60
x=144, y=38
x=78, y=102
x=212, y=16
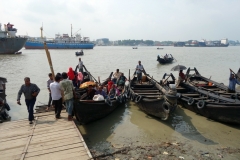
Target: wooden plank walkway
x=47, y=138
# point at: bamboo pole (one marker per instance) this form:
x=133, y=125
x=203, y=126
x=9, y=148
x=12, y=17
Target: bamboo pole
x=49, y=59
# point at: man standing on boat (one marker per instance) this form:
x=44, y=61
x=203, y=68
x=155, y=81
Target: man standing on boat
x=232, y=82
x=30, y=92
x=80, y=65
x=68, y=94
x=139, y=70
x=116, y=75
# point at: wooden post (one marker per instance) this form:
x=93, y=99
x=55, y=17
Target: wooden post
x=129, y=75
x=49, y=59
x=98, y=79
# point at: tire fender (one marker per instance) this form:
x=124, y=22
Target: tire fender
x=166, y=107
x=108, y=101
x=190, y=101
x=201, y=104
x=138, y=99
x=132, y=96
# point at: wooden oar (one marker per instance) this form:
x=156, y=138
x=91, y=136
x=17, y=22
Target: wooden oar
x=49, y=59
x=234, y=73
x=173, y=57
x=89, y=73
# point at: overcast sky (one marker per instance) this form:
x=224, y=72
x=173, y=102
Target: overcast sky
x=126, y=19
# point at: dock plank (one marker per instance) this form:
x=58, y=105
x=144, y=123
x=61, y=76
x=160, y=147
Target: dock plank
x=48, y=138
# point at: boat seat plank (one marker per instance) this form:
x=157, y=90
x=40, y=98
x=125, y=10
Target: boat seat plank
x=185, y=94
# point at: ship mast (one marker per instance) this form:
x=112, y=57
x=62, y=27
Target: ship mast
x=71, y=30
x=41, y=31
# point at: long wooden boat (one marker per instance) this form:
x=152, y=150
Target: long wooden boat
x=4, y=107
x=211, y=101
x=89, y=110
x=153, y=98
x=165, y=60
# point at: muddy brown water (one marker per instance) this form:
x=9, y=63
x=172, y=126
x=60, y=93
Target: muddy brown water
x=128, y=125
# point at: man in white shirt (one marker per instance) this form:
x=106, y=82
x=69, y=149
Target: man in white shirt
x=116, y=76
x=56, y=96
x=139, y=70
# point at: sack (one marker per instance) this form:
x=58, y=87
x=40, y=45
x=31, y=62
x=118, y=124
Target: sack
x=98, y=98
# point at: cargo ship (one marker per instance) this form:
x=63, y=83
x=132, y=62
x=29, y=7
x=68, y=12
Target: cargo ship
x=203, y=43
x=63, y=41
x=9, y=42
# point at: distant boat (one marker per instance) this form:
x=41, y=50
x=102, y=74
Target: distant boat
x=63, y=41
x=18, y=52
x=159, y=48
x=9, y=42
x=134, y=48
x=165, y=60
x=79, y=53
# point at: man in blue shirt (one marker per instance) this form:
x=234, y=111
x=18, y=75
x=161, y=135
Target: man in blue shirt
x=139, y=70
x=232, y=82
x=101, y=92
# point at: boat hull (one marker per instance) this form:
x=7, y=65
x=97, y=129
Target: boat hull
x=218, y=112
x=39, y=45
x=155, y=107
x=11, y=45
x=165, y=61
x=89, y=110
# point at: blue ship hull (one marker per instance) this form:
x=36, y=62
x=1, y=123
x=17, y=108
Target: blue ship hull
x=39, y=45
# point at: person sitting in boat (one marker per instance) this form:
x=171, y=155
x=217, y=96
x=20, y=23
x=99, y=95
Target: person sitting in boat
x=109, y=84
x=91, y=92
x=232, y=82
x=112, y=93
x=101, y=92
x=121, y=80
x=79, y=79
x=116, y=75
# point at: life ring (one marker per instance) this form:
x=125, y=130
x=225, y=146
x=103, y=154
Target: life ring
x=138, y=99
x=132, y=96
x=108, y=101
x=166, y=107
x=201, y=104
x=190, y=101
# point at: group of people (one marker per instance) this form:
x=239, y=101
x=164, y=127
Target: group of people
x=61, y=90
x=111, y=89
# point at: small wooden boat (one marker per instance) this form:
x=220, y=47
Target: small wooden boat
x=211, y=101
x=134, y=48
x=18, y=52
x=89, y=110
x=153, y=98
x=79, y=53
x=165, y=60
x=159, y=48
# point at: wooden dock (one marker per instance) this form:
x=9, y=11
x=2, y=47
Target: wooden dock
x=45, y=139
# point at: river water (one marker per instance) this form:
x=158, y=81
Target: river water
x=127, y=124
